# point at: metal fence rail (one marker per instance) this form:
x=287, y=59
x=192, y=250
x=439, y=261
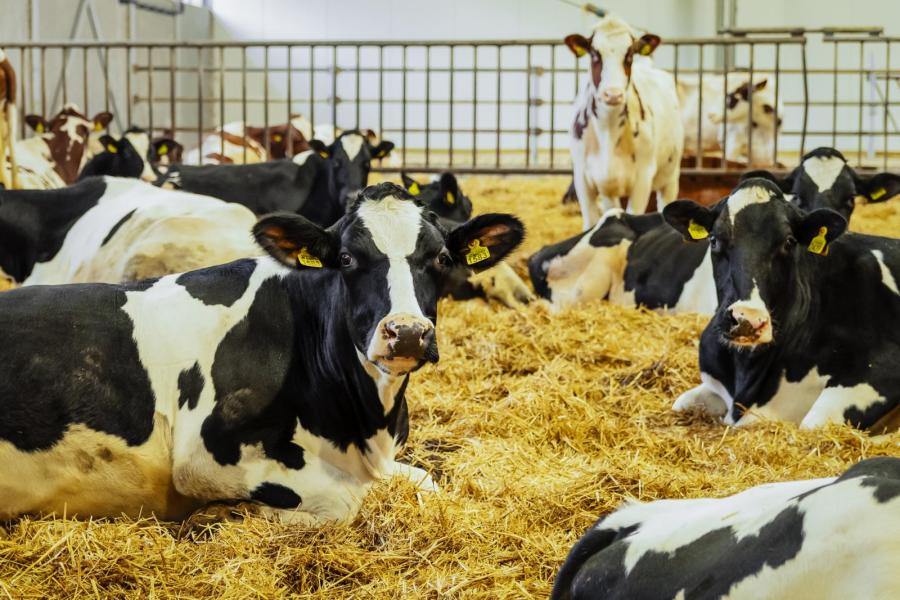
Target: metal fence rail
x=488, y=106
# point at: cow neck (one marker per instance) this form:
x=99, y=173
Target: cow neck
x=327, y=359
x=616, y=127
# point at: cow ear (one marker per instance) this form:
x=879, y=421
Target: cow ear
x=410, y=184
x=646, y=44
x=255, y=133
x=102, y=120
x=878, y=188
x=382, y=149
x=817, y=229
x=761, y=85
x=578, y=44
x=320, y=148
x=449, y=189
x=109, y=143
x=692, y=221
x=37, y=123
x=296, y=242
x=482, y=242
x=370, y=135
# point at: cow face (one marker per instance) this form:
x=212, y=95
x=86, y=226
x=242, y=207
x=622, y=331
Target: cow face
x=442, y=197
x=737, y=102
x=165, y=151
x=763, y=249
x=391, y=256
x=612, y=48
x=119, y=158
x=351, y=157
x=66, y=137
x=284, y=140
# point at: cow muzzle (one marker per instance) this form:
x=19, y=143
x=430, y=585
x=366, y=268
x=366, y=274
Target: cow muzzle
x=612, y=96
x=749, y=325
x=402, y=343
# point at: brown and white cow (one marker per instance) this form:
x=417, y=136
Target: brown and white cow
x=237, y=143
x=9, y=179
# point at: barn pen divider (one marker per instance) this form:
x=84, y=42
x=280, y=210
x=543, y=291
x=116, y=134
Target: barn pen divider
x=489, y=106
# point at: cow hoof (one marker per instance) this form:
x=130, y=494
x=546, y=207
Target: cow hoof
x=701, y=399
x=202, y=519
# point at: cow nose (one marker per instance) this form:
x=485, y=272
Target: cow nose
x=750, y=323
x=612, y=97
x=408, y=336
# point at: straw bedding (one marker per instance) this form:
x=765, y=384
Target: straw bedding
x=533, y=424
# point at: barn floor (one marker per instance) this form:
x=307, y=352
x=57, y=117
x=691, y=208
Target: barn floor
x=533, y=424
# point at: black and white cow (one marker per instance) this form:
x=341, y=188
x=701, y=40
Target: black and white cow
x=133, y=155
x=807, y=327
x=631, y=260
x=279, y=381
x=317, y=184
x=108, y=229
x=830, y=538
x=825, y=180
x=445, y=198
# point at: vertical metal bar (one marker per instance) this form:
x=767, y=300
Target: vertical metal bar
x=724, y=133
x=130, y=99
x=552, y=105
x=221, y=102
x=243, y=103
x=698, y=159
x=834, y=93
x=474, y=105
x=497, y=130
x=265, y=101
x=150, y=89
x=289, y=145
x=84, y=73
x=778, y=115
x=427, y=106
x=887, y=101
x=43, y=82
x=357, y=87
x=62, y=76
x=172, y=88
x=27, y=92
x=381, y=91
x=805, y=96
x=528, y=75
x=451, y=105
x=859, y=124
x=675, y=59
x=106, y=90
x=334, y=102
x=750, y=108
x=199, y=100
x=312, y=91
x=403, y=108
x=577, y=76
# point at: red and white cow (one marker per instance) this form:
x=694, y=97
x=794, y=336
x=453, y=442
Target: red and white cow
x=626, y=138
x=9, y=179
x=237, y=143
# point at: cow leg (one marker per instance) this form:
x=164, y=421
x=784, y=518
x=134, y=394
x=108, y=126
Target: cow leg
x=668, y=192
x=706, y=397
x=235, y=512
x=11, y=120
x=4, y=179
x=503, y=285
x=417, y=476
x=587, y=200
x=640, y=191
x=861, y=404
x=711, y=396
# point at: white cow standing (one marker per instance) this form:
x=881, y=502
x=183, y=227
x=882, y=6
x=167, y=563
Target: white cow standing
x=627, y=137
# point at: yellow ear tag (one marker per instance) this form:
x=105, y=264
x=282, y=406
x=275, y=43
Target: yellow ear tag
x=819, y=245
x=646, y=49
x=878, y=193
x=477, y=253
x=414, y=189
x=308, y=260
x=98, y=127
x=111, y=148
x=39, y=128
x=162, y=150
x=579, y=51
x=276, y=138
x=451, y=199
x=697, y=231
x=323, y=154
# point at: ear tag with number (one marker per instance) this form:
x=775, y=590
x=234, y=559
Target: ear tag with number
x=477, y=253
x=308, y=260
x=111, y=148
x=878, y=193
x=162, y=150
x=819, y=245
x=414, y=189
x=697, y=231
x=451, y=199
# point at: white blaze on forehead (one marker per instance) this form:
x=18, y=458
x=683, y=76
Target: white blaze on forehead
x=352, y=143
x=746, y=196
x=141, y=142
x=612, y=34
x=823, y=170
x=394, y=225
x=887, y=278
x=70, y=126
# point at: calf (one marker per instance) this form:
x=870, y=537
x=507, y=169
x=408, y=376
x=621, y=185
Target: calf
x=237, y=143
x=631, y=260
x=219, y=398
x=133, y=155
x=807, y=327
x=444, y=198
x=112, y=230
x=831, y=538
x=626, y=139
x=8, y=116
x=825, y=180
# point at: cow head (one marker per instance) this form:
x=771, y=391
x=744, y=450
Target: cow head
x=825, y=180
x=612, y=48
x=764, y=252
x=391, y=256
x=442, y=197
x=351, y=157
x=66, y=137
x=284, y=140
x=737, y=103
x=125, y=157
x=165, y=151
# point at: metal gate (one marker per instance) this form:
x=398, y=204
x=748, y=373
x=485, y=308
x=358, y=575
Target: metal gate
x=488, y=106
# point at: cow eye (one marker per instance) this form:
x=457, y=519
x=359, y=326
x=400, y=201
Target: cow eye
x=788, y=246
x=768, y=109
x=346, y=260
x=715, y=244
x=444, y=260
